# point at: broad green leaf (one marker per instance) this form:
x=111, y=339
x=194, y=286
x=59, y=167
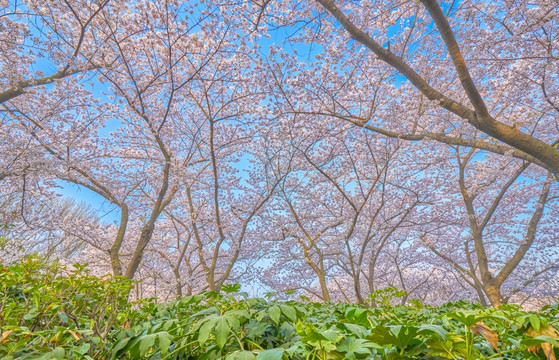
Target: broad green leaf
x=241, y=355
x=541, y=339
x=383, y=336
x=356, y=315
x=83, y=349
x=58, y=353
x=301, y=309
x=239, y=313
x=168, y=324
x=232, y=320
x=205, y=331
x=63, y=317
x=209, y=318
x=271, y=354
x=437, y=329
x=332, y=335
x=222, y=332
x=231, y=288
x=405, y=334
x=358, y=330
x=442, y=348
x=466, y=317
x=260, y=315
x=397, y=335
x=289, y=311
x=119, y=346
x=535, y=322
x=275, y=313
x=520, y=320
x=146, y=342
x=353, y=345
x=31, y=315
x=164, y=341
x=256, y=329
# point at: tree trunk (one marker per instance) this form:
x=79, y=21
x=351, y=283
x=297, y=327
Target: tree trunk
x=211, y=281
x=115, y=249
x=145, y=237
x=357, y=288
x=323, y=286
x=481, y=296
x=493, y=292
x=178, y=284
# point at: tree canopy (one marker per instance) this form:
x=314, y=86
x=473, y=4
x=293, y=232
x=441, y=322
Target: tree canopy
x=330, y=148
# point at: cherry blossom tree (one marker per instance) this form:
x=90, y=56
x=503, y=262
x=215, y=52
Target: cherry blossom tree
x=346, y=197
x=62, y=33
x=44, y=226
x=462, y=75
x=222, y=211
x=505, y=205
x=431, y=45
x=409, y=144
x=154, y=74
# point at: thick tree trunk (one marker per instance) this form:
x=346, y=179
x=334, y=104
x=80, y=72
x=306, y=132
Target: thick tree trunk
x=493, y=292
x=210, y=278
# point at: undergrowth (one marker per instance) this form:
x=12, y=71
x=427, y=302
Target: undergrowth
x=50, y=312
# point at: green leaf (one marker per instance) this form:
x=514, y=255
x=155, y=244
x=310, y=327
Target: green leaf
x=119, y=346
x=205, y=331
x=168, y=324
x=356, y=315
x=355, y=329
x=332, y=335
x=231, y=288
x=83, y=349
x=232, y=320
x=164, y=341
x=442, y=348
x=271, y=354
x=466, y=317
x=275, y=313
x=58, y=353
x=31, y=315
x=535, y=322
x=256, y=329
x=541, y=339
x=63, y=317
x=289, y=311
x=433, y=329
x=222, y=332
x=358, y=346
x=146, y=342
x=185, y=301
x=241, y=355
x=382, y=336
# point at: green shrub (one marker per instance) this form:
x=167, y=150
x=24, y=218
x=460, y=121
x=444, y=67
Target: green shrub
x=230, y=326
x=49, y=311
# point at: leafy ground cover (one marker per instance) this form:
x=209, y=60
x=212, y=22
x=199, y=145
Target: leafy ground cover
x=48, y=312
